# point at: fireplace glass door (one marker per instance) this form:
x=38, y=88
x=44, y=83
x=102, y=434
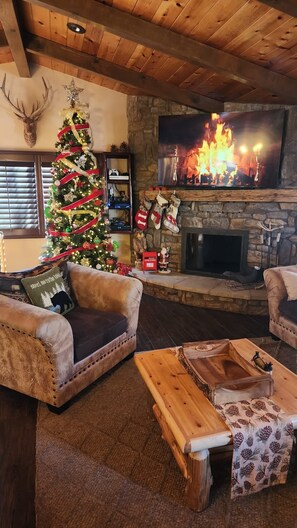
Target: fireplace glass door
x=214, y=251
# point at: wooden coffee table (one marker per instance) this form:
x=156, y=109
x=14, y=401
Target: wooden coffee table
x=189, y=422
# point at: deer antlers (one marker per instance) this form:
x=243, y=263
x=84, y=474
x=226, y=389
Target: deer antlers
x=29, y=120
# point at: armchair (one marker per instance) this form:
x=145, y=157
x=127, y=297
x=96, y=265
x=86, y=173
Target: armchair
x=53, y=357
x=281, y=284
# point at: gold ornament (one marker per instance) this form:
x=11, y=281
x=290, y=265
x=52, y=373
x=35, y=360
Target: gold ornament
x=85, y=262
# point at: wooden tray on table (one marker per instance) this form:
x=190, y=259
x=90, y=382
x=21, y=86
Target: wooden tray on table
x=222, y=373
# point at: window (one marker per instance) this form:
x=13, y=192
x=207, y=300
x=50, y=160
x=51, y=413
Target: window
x=25, y=179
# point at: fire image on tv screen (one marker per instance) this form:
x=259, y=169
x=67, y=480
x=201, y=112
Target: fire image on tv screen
x=232, y=149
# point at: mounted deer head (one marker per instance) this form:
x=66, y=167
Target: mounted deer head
x=29, y=120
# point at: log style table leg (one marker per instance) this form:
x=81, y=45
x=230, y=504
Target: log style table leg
x=199, y=480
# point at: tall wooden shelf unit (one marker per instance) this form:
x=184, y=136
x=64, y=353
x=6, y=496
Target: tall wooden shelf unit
x=117, y=169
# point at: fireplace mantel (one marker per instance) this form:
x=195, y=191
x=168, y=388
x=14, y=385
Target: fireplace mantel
x=288, y=195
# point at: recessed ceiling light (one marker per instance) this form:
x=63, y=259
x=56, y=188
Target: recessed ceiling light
x=76, y=28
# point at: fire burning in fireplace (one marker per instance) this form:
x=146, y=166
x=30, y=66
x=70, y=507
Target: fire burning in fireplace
x=232, y=149
x=214, y=160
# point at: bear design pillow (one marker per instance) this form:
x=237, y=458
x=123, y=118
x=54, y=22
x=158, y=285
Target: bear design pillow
x=48, y=290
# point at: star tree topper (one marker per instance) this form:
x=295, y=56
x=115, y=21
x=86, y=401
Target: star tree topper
x=73, y=93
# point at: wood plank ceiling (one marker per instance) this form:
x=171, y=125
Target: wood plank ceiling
x=199, y=53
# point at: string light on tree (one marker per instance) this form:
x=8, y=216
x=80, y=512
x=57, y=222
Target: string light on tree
x=76, y=226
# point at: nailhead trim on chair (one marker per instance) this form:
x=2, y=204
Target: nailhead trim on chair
x=284, y=327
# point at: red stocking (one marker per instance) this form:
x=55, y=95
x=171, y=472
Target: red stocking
x=141, y=216
x=158, y=209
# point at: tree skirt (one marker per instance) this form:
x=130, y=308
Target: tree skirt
x=262, y=444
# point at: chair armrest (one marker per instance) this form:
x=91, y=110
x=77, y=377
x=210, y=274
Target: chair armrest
x=52, y=329
x=276, y=290
x=107, y=292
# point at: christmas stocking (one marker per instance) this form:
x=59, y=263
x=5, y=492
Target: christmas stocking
x=141, y=216
x=158, y=209
x=171, y=213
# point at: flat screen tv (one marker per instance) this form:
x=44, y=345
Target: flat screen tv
x=231, y=150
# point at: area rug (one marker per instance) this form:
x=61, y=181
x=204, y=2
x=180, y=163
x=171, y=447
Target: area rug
x=103, y=464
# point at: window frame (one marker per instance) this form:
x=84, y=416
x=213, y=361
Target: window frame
x=38, y=158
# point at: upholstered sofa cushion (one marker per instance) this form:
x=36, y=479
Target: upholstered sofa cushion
x=288, y=309
x=93, y=329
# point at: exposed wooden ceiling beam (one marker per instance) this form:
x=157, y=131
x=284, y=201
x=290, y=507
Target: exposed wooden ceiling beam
x=10, y=25
x=85, y=62
x=176, y=45
x=286, y=6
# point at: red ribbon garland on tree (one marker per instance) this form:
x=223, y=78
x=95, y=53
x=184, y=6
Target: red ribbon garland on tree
x=85, y=199
x=72, y=150
x=69, y=252
x=68, y=128
x=78, y=231
x=72, y=175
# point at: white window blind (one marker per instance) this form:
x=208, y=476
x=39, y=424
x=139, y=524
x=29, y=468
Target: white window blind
x=18, y=196
x=25, y=180
x=47, y=180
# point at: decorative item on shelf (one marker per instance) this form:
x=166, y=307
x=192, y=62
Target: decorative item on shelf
x=123, y=148
x=115, y=174
x=262, y=365
x=163, y=259
x=120, y=223
x=139, y=246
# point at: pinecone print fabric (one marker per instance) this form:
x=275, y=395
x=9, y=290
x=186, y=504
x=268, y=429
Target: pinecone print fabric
x=262, y=444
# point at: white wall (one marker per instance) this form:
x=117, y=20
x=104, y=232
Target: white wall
x=108, y=122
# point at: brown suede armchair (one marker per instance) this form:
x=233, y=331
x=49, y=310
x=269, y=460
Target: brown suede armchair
x=40, y=355
x=281, y=284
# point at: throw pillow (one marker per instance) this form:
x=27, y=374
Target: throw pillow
x=11, y=285
x=48, y=290
x=290, y=281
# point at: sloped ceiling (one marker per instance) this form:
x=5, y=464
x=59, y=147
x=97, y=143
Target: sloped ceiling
x=199, y=53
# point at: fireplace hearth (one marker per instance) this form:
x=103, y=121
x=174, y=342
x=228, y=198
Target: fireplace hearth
x=211, y=252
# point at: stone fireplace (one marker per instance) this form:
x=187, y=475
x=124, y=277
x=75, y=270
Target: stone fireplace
x=212, y=251
x=230, y=210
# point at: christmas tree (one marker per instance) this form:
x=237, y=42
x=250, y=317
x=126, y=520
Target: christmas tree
x=76, y=224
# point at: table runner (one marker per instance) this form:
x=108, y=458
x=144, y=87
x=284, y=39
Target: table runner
x=262, y=444
x=263, y=436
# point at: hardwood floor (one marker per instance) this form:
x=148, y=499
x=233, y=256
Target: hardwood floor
x=164, y=323
x=18, y=416
x=161, y=324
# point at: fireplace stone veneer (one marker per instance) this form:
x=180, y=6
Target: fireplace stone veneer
x=235, y=211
